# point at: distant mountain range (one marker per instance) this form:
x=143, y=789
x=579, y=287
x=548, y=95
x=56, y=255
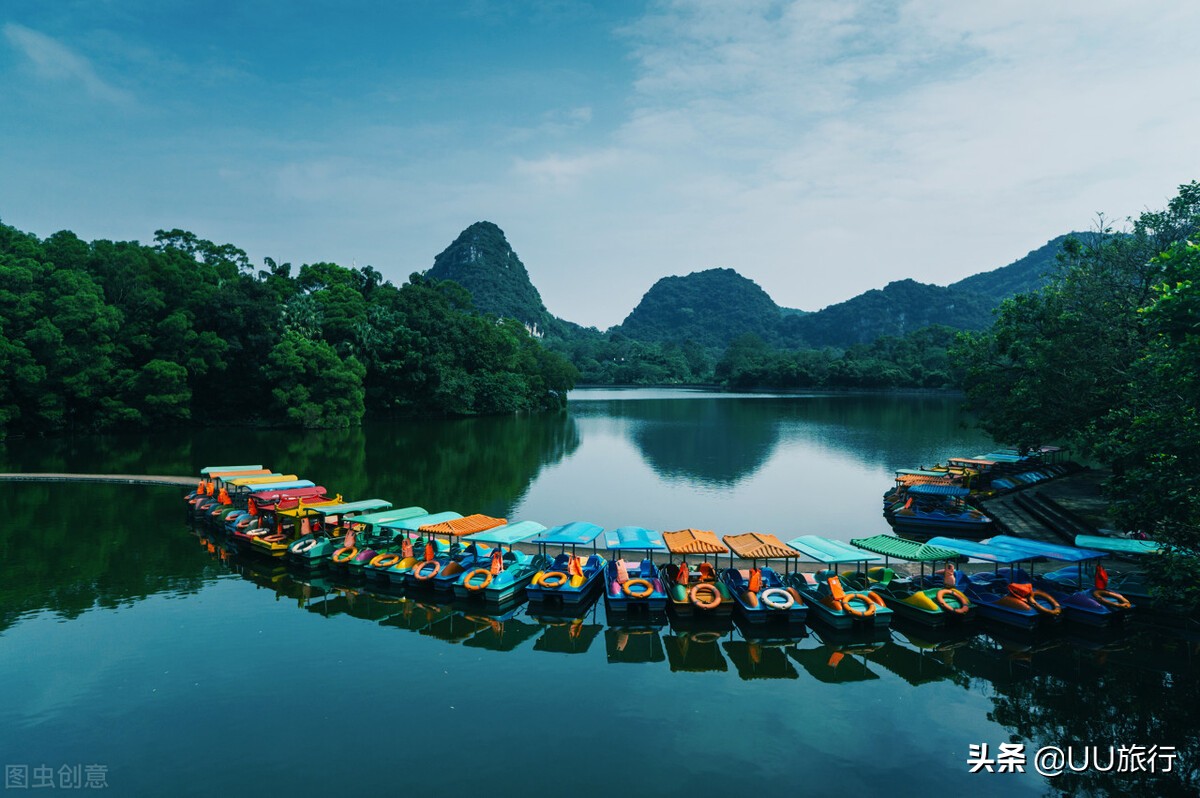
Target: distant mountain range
x=715, y=306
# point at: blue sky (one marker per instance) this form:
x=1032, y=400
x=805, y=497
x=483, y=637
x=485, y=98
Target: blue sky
x=819, y=148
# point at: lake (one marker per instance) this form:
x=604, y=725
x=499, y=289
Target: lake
x=135, y=649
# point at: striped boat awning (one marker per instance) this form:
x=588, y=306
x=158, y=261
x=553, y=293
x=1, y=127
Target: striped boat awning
x=759, y=546
x=693, y=541
x=464, y=526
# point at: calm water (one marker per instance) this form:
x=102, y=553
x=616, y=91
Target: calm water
x=130, y=641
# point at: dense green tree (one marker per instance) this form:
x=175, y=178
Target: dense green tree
x=118, y=334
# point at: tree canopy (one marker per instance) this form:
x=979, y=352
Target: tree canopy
x=110, y=334
x=1107, y=357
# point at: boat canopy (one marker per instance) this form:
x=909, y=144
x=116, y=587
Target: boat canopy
x=909, y=480
x=1118, y=545
x=363, y=506
x=825, y=550
x=633, y=537
x=380, y=519
x=285, y=485
x=212, y=471
x=1051, y=551
x=759, y=546
x=418, y=521
x=982, y=551
x=268, y=496
x=920, y=472
x=509, y=533
x=901, y=549
x=1006, y=457
x=463, y=526
x=306, y=508
x=979, y=461
x=259, y=480
x=694, y=541
x=939, y=490
x=576, y=533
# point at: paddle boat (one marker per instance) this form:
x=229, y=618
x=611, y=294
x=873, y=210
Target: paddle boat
x=905, y=595
x=208, y=476
x=392, y=567
x=311, y=530
x=1130, y=584
x=216, y=510
x=760, y=594
x=699, y=591
x=263, y=504
x=995, y=595
x=501, y=575
x=840, y=605
x=430, y=564
x=925, y=510
x=563, y=588
x=243, y=499
x=368, y=537
x=1096, y=606
x=217, y=490
x=630, y=585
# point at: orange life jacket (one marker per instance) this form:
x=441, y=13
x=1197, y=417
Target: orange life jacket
x=251, y=507
x=1021, y=590
x=682, y=576
x=224, y=497
x=305, y=527
x=406, y=548
x=1101, y=577
x=575, y=566
x=497, y=562
x=428, y=551
x=707, y=572
x=755, y=580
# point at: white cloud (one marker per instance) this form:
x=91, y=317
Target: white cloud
x=824, y=149
x=54, y=61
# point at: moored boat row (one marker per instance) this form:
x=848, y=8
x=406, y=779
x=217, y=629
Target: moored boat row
x=477, y=557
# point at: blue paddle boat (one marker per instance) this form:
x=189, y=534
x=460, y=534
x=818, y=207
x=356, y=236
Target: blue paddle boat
x=633, y=585
x=1097, y=606
x=841, y=606
x=566, y=589
x=760, y=594
x=996, y=595
x=924, y=510
x=501, y=575
x=409, y=547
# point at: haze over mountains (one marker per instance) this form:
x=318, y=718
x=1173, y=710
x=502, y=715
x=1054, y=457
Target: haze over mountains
x=714, y=306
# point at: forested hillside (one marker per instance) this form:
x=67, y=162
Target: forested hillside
x=110, y=334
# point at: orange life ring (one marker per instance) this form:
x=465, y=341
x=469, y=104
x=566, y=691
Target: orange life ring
x=1111, y=599
x=963, y=603
x=349, y=551
x=385, y=560
x=714, y=595
x=628, y=588
x=487, y=579
x=876, y=599
x=1051, y=607
x=276, y=538
x=559, y=578
x=850, y=609
x=419, y=571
